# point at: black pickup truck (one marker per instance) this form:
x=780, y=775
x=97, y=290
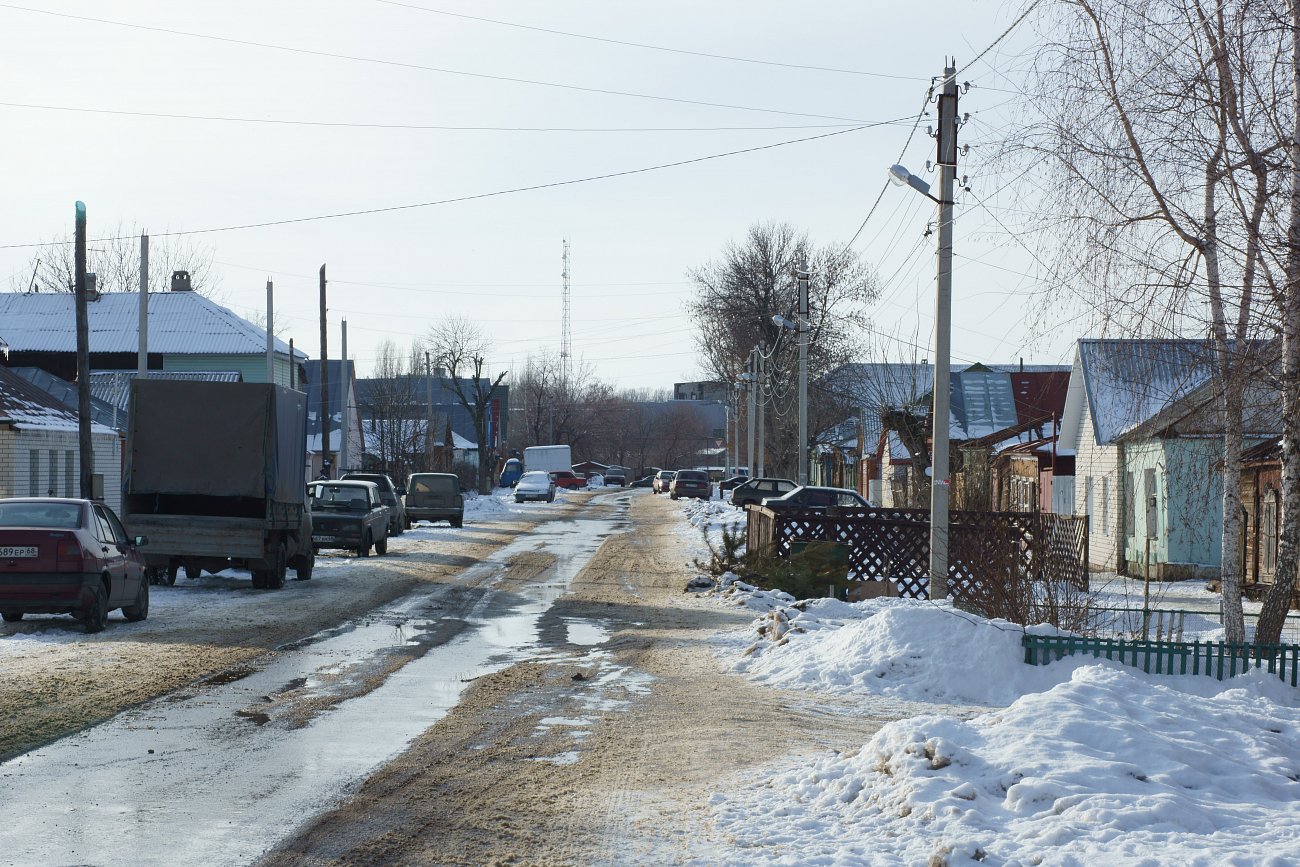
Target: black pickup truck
x=348, y=515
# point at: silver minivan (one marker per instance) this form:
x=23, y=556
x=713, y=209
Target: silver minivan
x=435, y=497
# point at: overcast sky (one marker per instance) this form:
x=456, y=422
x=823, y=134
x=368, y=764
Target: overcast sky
x=348, y=138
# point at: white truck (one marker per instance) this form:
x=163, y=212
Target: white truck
x=548, y=459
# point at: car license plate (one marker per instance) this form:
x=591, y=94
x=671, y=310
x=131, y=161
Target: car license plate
x=322, y=538
x=17, y=552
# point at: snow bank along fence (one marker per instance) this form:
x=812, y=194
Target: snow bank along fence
x=1217, y=659
x=984, y=548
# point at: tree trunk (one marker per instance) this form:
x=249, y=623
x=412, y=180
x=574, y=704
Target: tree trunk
x=1278, y=602
x=1230, y=564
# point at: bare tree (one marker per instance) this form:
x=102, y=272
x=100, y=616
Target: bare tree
x=460, y=346
x=1162, y=137
x=115, y=261
x=756, y=279
x=390, y=406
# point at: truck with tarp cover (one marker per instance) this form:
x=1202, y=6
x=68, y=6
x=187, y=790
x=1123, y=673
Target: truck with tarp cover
x=215, y=476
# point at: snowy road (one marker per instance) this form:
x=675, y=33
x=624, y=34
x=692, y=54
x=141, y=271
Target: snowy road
x=220, y=773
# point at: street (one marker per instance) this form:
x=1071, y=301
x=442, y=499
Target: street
x=553, y=701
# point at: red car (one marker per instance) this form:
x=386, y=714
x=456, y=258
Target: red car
x=66, y=556
x=566, y=479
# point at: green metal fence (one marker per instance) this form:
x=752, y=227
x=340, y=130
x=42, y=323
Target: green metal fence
x=1216, y=659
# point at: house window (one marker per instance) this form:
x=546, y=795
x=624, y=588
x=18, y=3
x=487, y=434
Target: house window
x=1268, y=535
x=69, y=470
x=1149, y=496
x=1087, y=500
x=53, y=457
x=1130, y=512
x=1105, y=505
x=33, y=473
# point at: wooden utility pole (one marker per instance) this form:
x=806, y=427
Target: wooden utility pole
x=327, y=466
x=83, y=360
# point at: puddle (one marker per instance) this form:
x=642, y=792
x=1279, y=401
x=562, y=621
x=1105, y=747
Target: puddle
x=218, y=778
x=585, y=632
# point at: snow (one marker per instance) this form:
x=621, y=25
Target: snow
x=992, y=761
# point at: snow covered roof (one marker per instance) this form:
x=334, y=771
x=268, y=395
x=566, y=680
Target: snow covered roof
x=27, y=407
x=183, y=323
x=65, y=393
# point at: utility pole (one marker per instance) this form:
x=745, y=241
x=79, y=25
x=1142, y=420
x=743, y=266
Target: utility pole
x=344, y=387
x=270, y=332
x=760, y=355
x=802, y=325
x=428, y=381
x=87, y=452
x=325, y=464
x=142, y=353
x=939, y=481
x=751, y=384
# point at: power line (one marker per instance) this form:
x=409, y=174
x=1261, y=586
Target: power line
x=468, y=198
x=413, y=126
x=648, y=47
x=230, y=40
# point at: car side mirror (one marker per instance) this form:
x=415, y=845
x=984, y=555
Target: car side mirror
x=140, y=541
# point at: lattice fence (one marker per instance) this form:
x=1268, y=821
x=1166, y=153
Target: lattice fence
x=894, y=545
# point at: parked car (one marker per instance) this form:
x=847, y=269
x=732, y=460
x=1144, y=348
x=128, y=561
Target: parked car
x=691, y=483
x=816, y=499
x=567, y=479
x=643, y=482
x=348, y=513
x=757, y=490
x=731, y=483
x=663, y=479
x=391, y=494
x=435, y=497
x=536, y=485
x=615, y=480
x=510, y=473
x=67, y=556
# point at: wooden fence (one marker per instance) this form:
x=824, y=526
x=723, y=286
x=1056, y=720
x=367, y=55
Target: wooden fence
x=1216, y=659
x=894, y=545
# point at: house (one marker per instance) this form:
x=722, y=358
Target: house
x=344, y=413
x=1261, y=497
x=714, y=390
x=67, y=396
x=40, y=451
x=186, y=332
x=1143, y=423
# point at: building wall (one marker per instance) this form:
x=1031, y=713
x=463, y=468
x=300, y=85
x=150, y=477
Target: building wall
x=1095, y=493
x=253, y=367
x=19, y=478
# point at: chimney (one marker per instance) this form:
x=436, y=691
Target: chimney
x=181, y=281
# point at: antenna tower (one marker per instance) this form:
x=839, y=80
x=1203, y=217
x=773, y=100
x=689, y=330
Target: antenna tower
x=566, y=336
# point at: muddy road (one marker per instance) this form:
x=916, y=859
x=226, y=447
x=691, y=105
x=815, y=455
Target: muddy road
x=540, y=693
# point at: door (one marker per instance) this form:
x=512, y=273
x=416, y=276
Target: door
x=133, y=567
x=113, y=555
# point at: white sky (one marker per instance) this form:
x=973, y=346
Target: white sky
x=497, y=260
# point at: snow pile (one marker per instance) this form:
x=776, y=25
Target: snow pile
x=713, y=514
x=481, y=505
x=1108, y=767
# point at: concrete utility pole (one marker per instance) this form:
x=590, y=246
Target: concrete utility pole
x=87, y=452
x=344, y=417
x=327, y=466
x=802, y=326
x=750, y=385
x=761, y=355
x=270, y=332
x=428, y=382
x=939, y=482
x=142, y=353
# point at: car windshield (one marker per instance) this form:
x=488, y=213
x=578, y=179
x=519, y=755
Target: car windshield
x=690, y=476
x=535, y=478
x=62, y=516
x=340, y=498
x=433, y=485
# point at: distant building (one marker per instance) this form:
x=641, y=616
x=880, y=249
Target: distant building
x=708, y=390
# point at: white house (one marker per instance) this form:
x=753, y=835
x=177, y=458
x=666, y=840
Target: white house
x=39, y=446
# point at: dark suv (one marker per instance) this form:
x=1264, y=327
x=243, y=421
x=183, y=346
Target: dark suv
x=391, y=496
x=691, y=483
x=757, y=490
x=435, y=497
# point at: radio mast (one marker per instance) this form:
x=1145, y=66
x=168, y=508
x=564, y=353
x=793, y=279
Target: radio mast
x=566, y=336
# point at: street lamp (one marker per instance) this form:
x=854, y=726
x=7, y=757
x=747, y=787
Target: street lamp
x=939, y=475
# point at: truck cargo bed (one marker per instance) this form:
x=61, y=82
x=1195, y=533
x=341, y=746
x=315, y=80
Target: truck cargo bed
x=200, y=536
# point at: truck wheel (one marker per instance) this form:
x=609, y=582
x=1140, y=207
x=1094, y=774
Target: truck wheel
x=363, y=550
x=11, y=616
x=398, y=528
x=306, y=563
x=193, y=571
x=458, y=522
x=409, y=523
x=173, y=569
x=95, y=618
x=259, y=579
x=140, y=610
x=275, y=577
x=381, y=547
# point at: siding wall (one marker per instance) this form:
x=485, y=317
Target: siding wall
x=1099, y=463
x=17, y=473
x=253, y=367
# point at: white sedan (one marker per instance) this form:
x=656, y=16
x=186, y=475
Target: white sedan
x=536, y=485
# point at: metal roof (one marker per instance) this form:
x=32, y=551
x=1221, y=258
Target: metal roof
x=181, y=323
x=113, y=387
x=65, y=393
x=1128, y=381
x=30, y=408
